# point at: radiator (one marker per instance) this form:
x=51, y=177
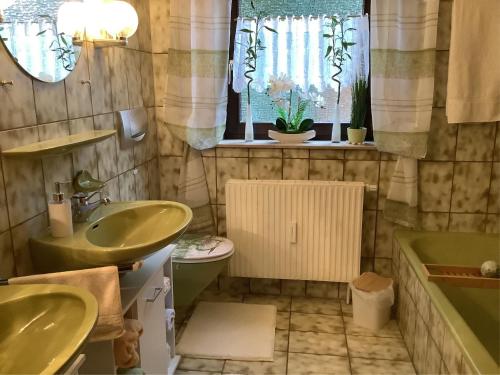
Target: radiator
x=300, y=230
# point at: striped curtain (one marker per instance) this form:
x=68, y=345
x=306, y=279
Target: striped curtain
x=403, y=42
x=196, y=97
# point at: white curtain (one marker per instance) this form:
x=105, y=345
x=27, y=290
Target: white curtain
x=32, y=47
x=298, y=50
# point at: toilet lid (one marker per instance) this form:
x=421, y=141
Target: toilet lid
x=192, y=248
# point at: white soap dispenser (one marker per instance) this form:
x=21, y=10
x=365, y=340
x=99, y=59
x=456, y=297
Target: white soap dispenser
x=61, y=223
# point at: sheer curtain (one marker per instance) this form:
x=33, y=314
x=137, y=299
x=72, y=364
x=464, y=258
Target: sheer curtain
x=298, y=50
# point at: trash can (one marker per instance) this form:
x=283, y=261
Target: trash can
x=372, y=298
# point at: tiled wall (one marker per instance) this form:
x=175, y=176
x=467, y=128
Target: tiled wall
x=429, y=340
x=32, y=111
x=459, y=181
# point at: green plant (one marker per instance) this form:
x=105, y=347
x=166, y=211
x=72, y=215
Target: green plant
x=254, y=46
x=337, y=50
x=64, y=51
x=359, y=98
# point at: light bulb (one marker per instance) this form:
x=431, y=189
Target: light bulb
x=121, y=19
x=71, y=20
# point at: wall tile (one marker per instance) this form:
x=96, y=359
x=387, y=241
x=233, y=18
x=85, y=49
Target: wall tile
x=496, y=155
x=133, y=71
x=144, y=29
x=168, y=144
x=169, y=175
x=386, y=172
x=7, y=265
x=362, y=155
x=444, y=25
x=442, y=142
x=78, y=93
x=467, y=222
x=434, y=186
x=85, y=157
x=147, y=79
x=470, y=187
x=265, y=169
x=127, y=186
x=494, y=198
x=112, y=189
x=117, y=63
x=106, y=150
x=476, y=142
x=326, y=154
x=160, y=67
x=296, y=288
x=35, y=227
x=383, y=242
x=440, y=78
x=434, y=221
x=159, y=15
x=326, y=170
x=295, y=169
x=142, y=182
x=100, y=78
x=124, y=154
x=221, y=220
x=266, y=286
x=367, y=172
x=152, y=139
x=211, y=176
x=420, y=353
x=322, y=289
x=383, y=267
x=452, y=355
x=228, y=168
x=296, y=153
x=23, y=178
x=50, y=101
x=4, y=217
x=154, y=179
x=368, y=236
x=265, y=153
x=18, y=104
x=235, y=285
x=492, y=223
x=228, y=152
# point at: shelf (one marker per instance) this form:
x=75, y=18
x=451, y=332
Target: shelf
x=58, y=146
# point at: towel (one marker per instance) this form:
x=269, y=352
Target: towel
x=103, y=283
x=474, y=69
x=401, y=201
x=125, y=346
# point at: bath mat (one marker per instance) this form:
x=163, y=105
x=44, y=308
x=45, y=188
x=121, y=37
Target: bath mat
x=237, y=331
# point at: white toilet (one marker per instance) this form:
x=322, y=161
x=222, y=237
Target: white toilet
x=196, y=262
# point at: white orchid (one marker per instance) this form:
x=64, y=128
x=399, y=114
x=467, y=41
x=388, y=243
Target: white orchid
x=279, y=85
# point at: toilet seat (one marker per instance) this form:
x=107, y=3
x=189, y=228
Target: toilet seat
x=201, y=249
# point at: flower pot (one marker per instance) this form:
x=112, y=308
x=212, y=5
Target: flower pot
x=356, y=136
x=249, y=125
x=291, y=137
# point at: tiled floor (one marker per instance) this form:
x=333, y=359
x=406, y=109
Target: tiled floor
x=313, y=336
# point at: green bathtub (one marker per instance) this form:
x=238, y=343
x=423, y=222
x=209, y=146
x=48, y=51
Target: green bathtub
x=472, y=314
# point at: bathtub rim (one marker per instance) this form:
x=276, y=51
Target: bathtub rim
x=467, y=341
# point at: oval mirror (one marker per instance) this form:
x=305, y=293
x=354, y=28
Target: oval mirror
x=28, y=30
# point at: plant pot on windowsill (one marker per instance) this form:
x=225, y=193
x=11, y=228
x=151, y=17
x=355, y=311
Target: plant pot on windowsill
x=287, y=133
x=356, y=136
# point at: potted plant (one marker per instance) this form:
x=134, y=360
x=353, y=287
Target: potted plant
x=337, y=54
x=356, y=132
x=291, y=127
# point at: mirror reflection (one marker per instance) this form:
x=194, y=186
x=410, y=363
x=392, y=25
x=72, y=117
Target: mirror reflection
x=29, y=31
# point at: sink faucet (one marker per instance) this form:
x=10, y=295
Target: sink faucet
x=86, y=188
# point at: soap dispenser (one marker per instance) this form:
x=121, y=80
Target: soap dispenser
x=61, y=224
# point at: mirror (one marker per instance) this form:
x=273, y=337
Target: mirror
x=29, y=31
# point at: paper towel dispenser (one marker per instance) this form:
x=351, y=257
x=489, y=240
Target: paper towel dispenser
x=132, y=125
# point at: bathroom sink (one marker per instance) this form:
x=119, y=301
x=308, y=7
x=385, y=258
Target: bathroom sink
x=43, y=326
x=118, y=233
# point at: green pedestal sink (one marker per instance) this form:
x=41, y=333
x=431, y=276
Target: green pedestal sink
x=118, y=233
x=42, y=327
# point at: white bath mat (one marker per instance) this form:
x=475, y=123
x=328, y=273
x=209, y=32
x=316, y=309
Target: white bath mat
x=236, y=331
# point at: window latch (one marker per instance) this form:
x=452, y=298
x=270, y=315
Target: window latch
x=230, y=72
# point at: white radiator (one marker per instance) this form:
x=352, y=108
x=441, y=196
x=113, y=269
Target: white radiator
x=301, y=230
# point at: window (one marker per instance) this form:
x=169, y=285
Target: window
x=295, y=35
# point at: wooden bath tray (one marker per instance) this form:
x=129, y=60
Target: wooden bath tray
x=460, y=276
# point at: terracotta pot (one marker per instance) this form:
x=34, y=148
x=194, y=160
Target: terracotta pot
x=291, y=138
x=356, y=136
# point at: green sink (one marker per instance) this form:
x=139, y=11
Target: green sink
x=42, y=327
x=118, y=233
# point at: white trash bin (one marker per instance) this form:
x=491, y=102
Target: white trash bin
x=372, y=310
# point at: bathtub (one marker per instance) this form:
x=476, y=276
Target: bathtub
x=447, y=329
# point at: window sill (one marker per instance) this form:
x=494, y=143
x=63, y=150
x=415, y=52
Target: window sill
x=368, y=146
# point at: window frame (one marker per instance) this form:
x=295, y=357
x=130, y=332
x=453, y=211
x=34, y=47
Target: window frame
x=235, y=129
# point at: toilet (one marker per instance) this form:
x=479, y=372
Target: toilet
x=197, y=260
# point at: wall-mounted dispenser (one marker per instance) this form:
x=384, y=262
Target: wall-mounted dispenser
x=132, y=125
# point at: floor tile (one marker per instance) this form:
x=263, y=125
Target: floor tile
x=281, y=340
x=316, y=323
x=200, y=364
x=317, y=343
x=362, y=366
x=278, y=366
x=283, y=320
x=391, y=329
x=377, y=348
x=316, y=305
x=299, y=363
x=282, y=303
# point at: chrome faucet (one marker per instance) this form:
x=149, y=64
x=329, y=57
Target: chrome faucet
x=82, y=207
x=86, y=187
